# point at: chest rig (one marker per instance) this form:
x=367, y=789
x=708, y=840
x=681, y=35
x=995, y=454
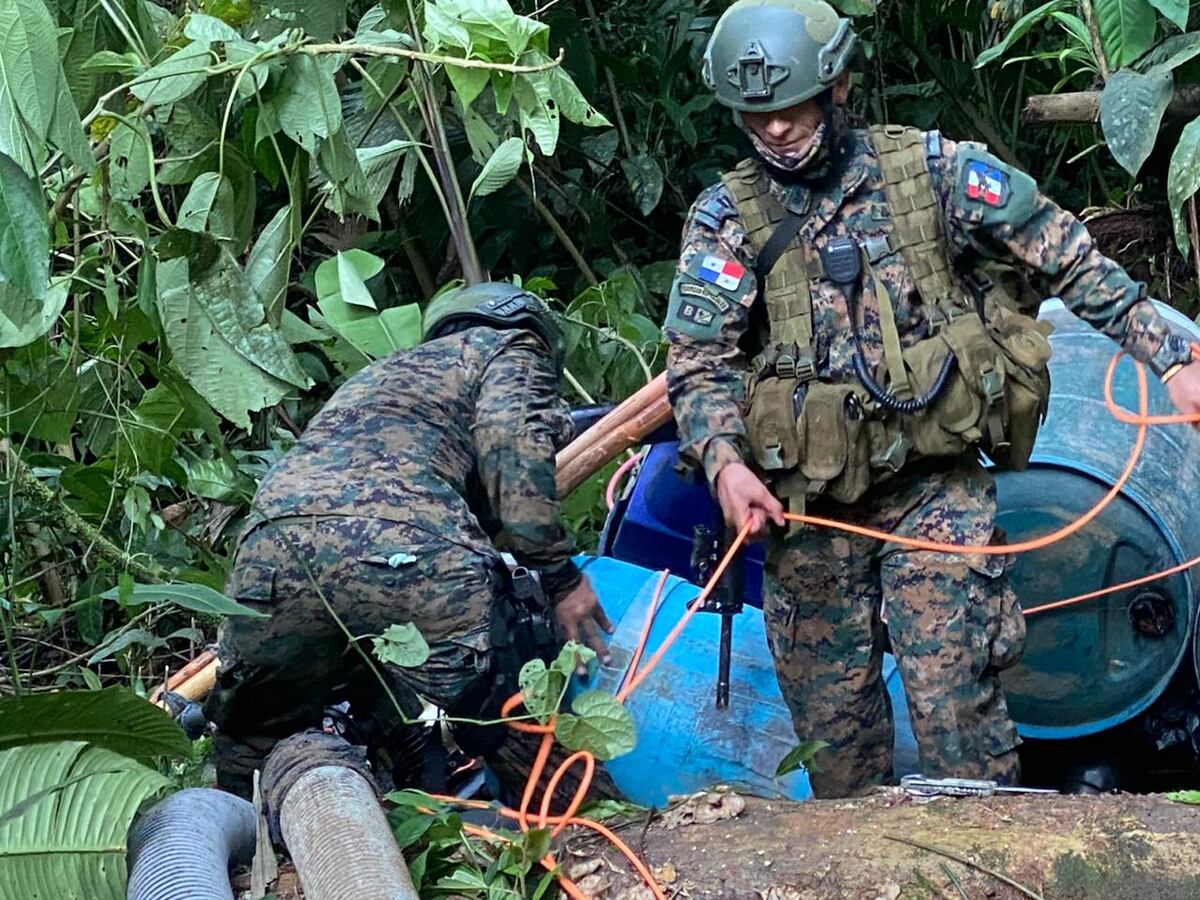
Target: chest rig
x=977, y=380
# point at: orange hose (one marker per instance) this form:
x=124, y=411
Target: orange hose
x=692, y=609
x=651, y=612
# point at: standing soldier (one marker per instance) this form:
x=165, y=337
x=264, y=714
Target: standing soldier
x=394, y=507
x=837, y=345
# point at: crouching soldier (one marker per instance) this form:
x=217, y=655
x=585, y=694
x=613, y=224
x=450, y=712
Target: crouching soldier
x=395, y=507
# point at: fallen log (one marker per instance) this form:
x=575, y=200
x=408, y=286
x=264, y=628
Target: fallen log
x=892, y=846
x=1084, y=106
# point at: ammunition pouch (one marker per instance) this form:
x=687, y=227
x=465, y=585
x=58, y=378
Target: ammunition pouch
x=812, y=438
x=995, y=399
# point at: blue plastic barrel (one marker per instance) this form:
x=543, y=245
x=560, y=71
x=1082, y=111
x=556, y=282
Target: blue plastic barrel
x=684, y=743
x=1097, y=664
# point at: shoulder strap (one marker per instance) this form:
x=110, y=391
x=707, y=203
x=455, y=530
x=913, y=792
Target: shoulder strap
x=785, y=232
x=916, y=211
x=785, y=290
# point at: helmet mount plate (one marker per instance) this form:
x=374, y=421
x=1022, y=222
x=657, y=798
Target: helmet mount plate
x=754, y=75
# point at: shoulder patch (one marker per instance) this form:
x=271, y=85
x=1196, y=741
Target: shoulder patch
x=985, y=184
x=709, y=289
x=991, y=192
x=714, y=206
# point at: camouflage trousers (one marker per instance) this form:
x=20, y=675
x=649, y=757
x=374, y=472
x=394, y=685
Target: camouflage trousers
x=834, y=602
x=278, y=674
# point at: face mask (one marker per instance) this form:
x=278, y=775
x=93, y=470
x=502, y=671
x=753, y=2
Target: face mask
x=794, y=163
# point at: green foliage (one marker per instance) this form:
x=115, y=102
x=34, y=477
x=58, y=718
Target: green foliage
x=443, y=860
x=196, y=597
x=599, y=723
x=1183, y=179
x=1126, y=29
x=543, y=687
x=799, y=757
x=114, y=719
x=1131, y=108
x=401, y=645
x=69, y=805
x=1191, y=798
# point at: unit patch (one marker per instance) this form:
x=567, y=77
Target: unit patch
x=688, y=289
x=695, y=313
x=724, y=273
x=985, y=184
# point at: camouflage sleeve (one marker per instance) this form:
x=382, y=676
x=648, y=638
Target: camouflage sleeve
x=520, y=421
x=999, y=210
x=707, y=315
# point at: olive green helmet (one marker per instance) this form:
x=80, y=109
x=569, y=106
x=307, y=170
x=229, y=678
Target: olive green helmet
x=497, y=305
x=766, y=55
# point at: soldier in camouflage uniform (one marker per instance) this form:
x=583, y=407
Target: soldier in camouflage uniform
x=755, y=305
x=394, y=507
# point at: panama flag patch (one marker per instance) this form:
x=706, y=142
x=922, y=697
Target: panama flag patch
x=724, y=273
x=986, y=184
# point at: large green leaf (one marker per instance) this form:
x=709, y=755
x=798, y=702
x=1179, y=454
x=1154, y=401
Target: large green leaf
x=374, y=333
x=196, y=597
x=1126, y=29
x=1183, y=179
x=114, y=718
x=24, y=236
x=350, y=268
x=74, y=803
x=269, y=265
x=176, y=77
x=29, y=69
x=209, y=206
x=1020, y=28
x=538, y=109
x=645, y=181
x=1131, y=109
x=599, y=723
x=307, y=102
x=22, y=319
x=320, y=19
x=129, y=160
x=1171, y=53
x=500, y=169
x=219, y=338
x=1175, y=10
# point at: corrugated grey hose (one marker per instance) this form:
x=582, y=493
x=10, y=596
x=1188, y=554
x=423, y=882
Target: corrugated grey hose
x=339, y=839
x=183, y=848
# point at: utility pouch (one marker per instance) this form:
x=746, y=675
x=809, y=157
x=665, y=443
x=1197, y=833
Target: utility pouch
x=950, y=424
x=1026, y=348
x=771, y=423
x=834, y=441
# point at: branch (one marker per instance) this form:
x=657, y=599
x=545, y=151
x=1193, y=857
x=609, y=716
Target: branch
x=45, y=500
x=436, y=59
x=1084, y=106
x=563, y=238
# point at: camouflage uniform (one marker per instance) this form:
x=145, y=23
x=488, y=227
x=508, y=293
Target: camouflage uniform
x=832, y=601
x=393, y=507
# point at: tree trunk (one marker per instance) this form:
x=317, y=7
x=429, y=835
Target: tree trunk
x=1057, y=848
x=1084, y=106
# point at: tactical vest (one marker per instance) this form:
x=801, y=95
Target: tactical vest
x=813, y=437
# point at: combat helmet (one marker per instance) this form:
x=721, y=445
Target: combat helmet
x=498, y=305
x=767, y=55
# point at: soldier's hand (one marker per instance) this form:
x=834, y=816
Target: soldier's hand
x=1184, y=390
x=744, y=498
x=581, y=618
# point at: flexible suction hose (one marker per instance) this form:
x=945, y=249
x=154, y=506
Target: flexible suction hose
x=339, y=839
x=183, y=848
